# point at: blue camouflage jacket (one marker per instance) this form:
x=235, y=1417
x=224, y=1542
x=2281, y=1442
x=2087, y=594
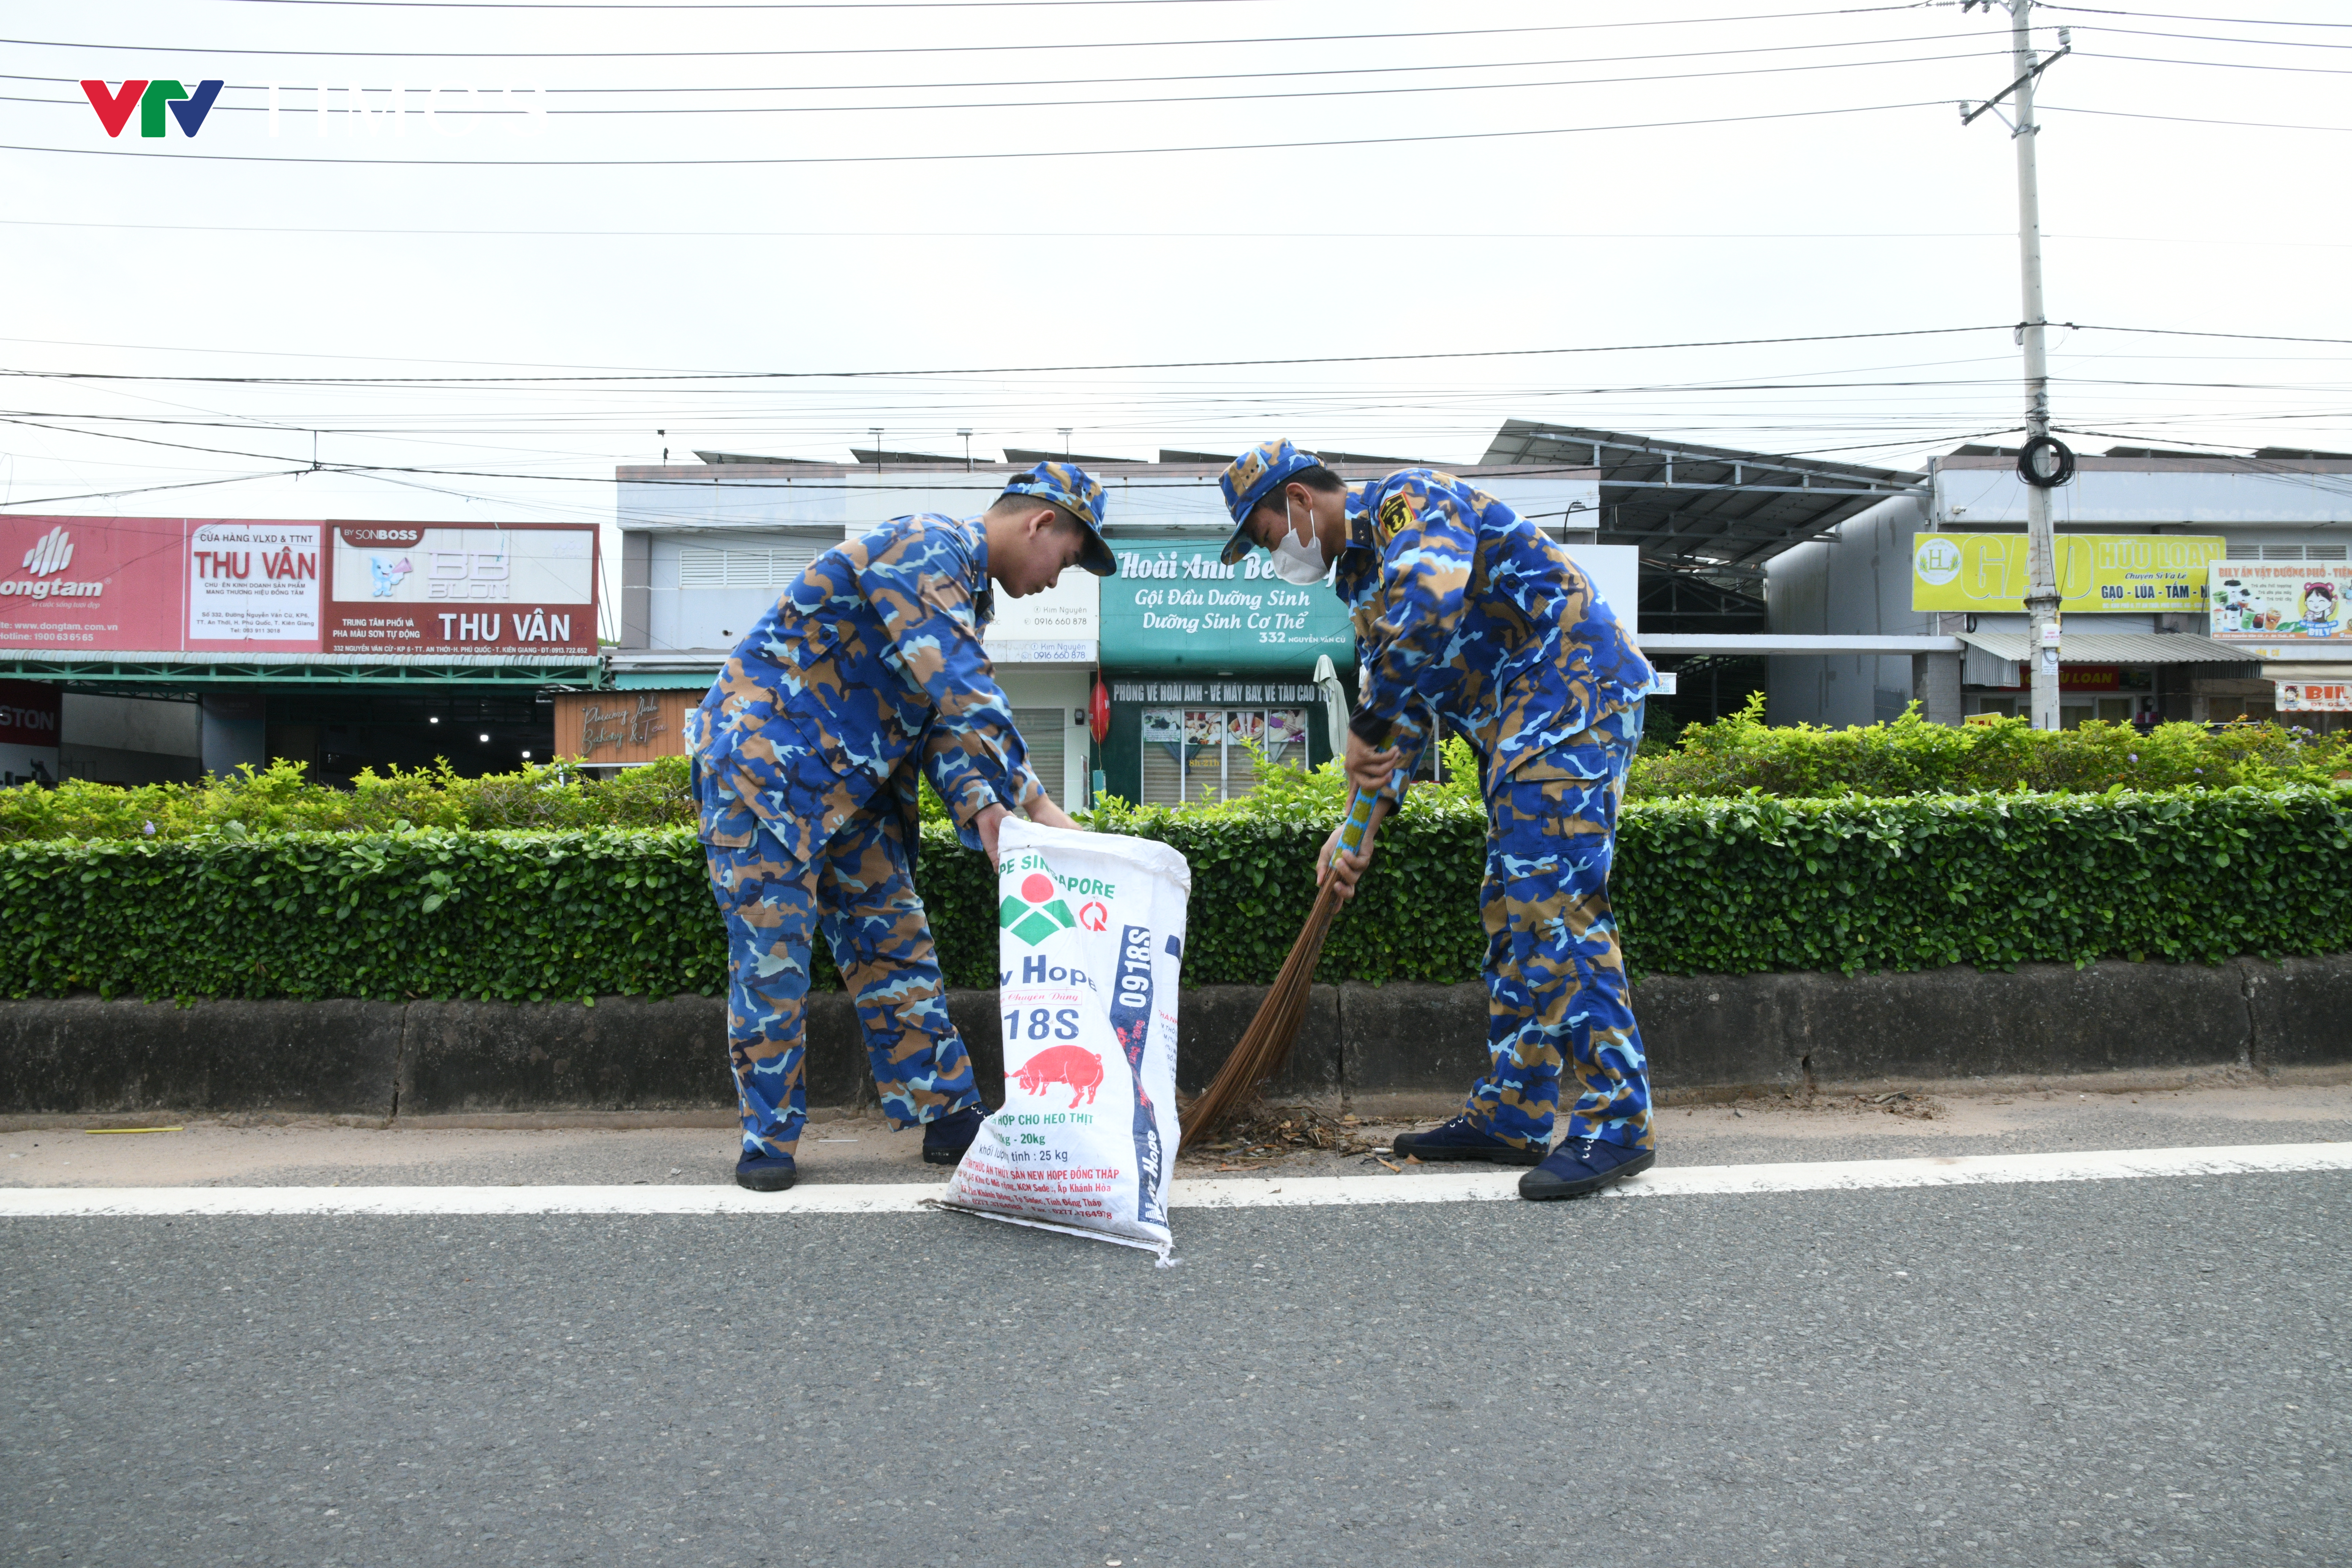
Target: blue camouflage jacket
x=869, y=667
x=1466, y=611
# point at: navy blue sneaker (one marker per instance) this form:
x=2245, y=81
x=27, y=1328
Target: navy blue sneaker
x=1580, y=1167
x=766, y=1173
x=945, y=1141
x=1457, y=1139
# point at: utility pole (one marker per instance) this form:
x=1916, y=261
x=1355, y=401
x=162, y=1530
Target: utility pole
x=2043, y=463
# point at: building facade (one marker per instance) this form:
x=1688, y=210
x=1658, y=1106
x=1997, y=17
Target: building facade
x=171, y=648
x=2188, y=589
x=1202, y=668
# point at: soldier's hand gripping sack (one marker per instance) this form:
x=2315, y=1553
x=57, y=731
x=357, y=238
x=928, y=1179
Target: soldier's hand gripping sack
x=1090, y=934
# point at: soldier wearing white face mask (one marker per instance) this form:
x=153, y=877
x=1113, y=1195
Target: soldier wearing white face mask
x=1467, y=614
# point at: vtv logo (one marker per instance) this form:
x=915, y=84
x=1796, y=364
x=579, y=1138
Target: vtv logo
x=52, y=552
x=151, y=98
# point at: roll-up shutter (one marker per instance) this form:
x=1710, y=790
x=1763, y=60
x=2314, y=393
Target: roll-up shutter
x=1041, y=732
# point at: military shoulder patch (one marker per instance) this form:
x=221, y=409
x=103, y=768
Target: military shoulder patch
x=1396, y=514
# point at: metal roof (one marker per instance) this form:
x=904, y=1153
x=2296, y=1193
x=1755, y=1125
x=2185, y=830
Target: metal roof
x=2116, y=647
x=1703, y=509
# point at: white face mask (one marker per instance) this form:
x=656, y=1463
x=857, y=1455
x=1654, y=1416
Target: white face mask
x=1299, y=561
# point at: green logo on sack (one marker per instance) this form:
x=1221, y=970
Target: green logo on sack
x=1035, y=913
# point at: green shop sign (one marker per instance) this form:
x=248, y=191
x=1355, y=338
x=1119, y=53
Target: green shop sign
x=1172, y=606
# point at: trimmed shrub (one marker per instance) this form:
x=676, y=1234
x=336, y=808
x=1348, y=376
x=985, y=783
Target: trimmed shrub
x=1910, y=756
x=1733, y=757
x=1701, y=886
x=281, y=799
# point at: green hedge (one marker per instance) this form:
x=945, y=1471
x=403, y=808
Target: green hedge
x=1907, y=755
x=282, y=798
x=1728, y=758
x=1721, y=886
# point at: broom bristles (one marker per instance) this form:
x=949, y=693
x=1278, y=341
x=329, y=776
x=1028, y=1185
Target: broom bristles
x=1265, y=1045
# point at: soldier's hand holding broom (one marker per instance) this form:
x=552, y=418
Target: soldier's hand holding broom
x=1348, y=850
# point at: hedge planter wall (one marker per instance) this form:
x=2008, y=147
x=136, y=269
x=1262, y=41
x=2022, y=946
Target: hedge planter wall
x=1722, y=885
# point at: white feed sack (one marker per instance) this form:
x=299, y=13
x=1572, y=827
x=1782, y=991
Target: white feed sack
x=1090, y=940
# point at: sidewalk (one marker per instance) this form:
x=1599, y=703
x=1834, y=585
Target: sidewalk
x=2056, y=1116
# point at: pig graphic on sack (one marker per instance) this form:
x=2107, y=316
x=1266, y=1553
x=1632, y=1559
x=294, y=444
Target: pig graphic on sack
x=1079, y=1068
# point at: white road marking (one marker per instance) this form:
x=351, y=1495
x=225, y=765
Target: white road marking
x=1246, y=1192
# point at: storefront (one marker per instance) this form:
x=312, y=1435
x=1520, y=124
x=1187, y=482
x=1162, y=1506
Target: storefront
x=28, y=733
x=2189, y=589
x=2291, y=616
x=1202, y=668
x=180, y=647
x=1210, y=669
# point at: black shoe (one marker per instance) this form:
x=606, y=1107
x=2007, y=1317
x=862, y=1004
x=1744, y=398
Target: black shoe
x=1582, y=1167
x=1457, y=1139
x=945, y=1141
x=766, y=1173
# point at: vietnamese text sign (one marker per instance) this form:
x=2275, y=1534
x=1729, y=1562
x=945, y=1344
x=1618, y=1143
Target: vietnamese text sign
x=74, y=585
x=2109, y=574
x=2314, y=697
x=524, y=588
x=2279, y=601
x=1060, y=625
x=252, y=583
x=81, y=586
x=1173, y=606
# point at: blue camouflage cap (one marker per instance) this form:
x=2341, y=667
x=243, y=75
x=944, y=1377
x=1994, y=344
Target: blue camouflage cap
x=1250, y=478
x=1080, y=494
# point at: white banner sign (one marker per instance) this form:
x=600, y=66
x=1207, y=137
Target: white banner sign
x=253, y=581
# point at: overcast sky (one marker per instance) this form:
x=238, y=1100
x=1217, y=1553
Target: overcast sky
x=813, y=189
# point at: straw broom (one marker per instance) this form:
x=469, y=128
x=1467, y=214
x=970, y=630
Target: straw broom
x=1265, y=1045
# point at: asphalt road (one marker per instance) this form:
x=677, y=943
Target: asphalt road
x=2133, y=1372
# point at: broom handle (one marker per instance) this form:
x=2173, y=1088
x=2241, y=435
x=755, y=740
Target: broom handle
x=1359, y=823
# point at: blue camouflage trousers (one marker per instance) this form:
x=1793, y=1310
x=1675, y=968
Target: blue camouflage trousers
x=860, y=889
x=1556, y=991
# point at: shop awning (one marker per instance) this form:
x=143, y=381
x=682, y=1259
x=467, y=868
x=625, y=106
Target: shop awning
x=215, y=669
x=2115, y=647
x=1703, y=509
x=666, y=670
x=1997, y=659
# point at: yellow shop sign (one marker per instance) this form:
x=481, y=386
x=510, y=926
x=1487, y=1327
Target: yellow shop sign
x=2114, y=574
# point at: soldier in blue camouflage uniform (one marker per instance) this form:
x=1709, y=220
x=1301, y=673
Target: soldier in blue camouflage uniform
x=868, y=674
x=1467, y=614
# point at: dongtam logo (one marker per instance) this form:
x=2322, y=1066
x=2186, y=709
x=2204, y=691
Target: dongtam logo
x=151, y=98
x=50, y=554
x=53, y=551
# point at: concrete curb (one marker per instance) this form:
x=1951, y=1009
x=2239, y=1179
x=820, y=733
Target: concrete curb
x=1706, y=1035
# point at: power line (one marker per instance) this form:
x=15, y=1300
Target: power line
x=997, y=369
x=1109, y=81
x=934, y=48
x=145, y=490
x=1155, y=235
x=1140, y=103
x=2217, y=65
x=1152, y=78
x=725, y=5
x=2211, y=38
x=968, y=157
x=2174, y=16
x=1065, y=44
x=2184, y=332
x=2189, y=119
